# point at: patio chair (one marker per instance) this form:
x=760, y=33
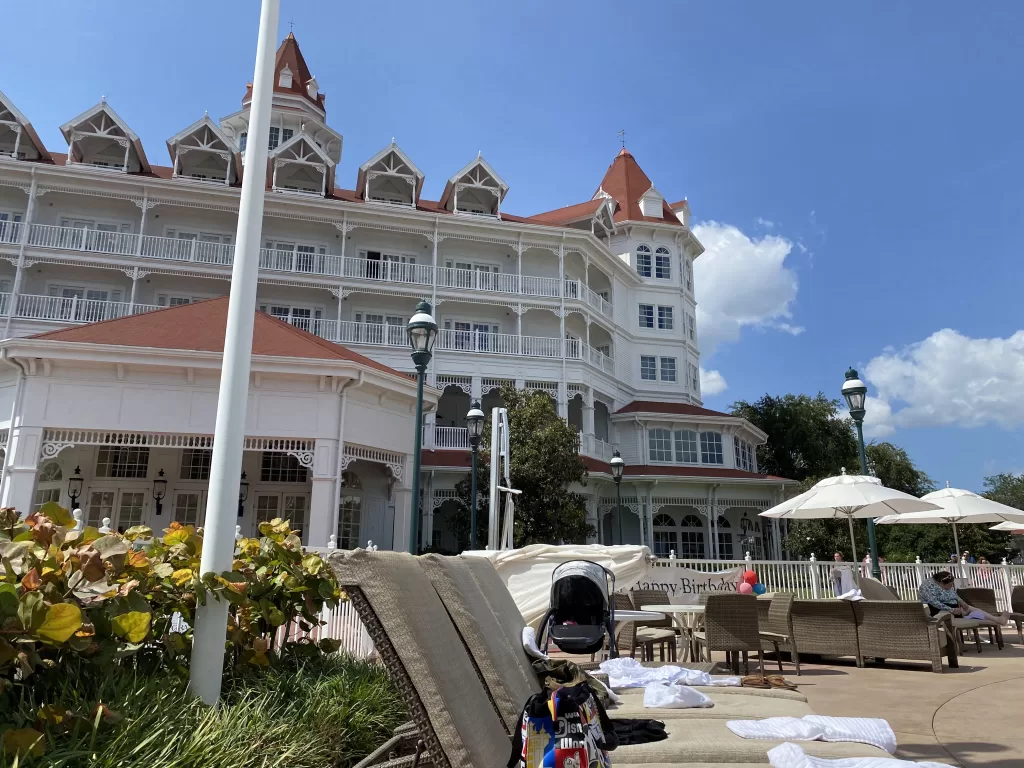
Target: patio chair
x=731, y=625
x=825, y=627
x=1017, y=607
x=642, y=597
x=777, y=627
x=898, y=629
x=628, y=635
x=873, y=589
x=457, y=724
x=985, y=599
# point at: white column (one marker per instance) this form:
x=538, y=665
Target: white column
x=71, y=149
x=127, y=150
x=142, y=224
x=26, y=225
x=17, y=140
x=322, y=504
x=23, y=445
x=135, y=281
x=433, y=261
x=226, y=466
x=777, y=535
x=403, y=503
x=588, y=412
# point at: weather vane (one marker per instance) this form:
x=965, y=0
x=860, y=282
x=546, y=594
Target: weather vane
x=291, y=26
x=622, y=137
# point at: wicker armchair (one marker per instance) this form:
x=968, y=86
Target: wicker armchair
x=825, y=627
x=891, y=629
x=628, y=637
x=777, y=627
x=984, y=599
x=1017, y=608
x=643, y=597
x=731, y=625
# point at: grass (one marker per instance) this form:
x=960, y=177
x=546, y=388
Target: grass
x=327, y=711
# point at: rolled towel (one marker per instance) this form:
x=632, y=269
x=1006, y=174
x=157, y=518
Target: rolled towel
x=777, y=729
x=793, y=756
x=866, y=730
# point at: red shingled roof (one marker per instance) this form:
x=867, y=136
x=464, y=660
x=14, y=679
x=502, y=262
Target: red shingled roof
x=200, y=327
x=290, y=55
x=569, y=213
x=682, y=409
x=627, y=183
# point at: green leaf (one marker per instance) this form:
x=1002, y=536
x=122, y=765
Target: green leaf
x=110, y=546
x=312, y=563
x=8, y=599
x=31, y=611
x=61, y=622
x=132, y=626
x=164, y=570
x=57, y=514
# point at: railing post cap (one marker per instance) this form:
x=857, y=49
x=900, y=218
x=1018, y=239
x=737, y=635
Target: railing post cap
x=917, y=559
x=813, y=558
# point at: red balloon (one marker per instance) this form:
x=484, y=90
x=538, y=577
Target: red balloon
x=745, y=588
x=750, y=577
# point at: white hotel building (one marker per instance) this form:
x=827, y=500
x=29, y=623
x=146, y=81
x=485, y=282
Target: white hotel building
x=111, y=350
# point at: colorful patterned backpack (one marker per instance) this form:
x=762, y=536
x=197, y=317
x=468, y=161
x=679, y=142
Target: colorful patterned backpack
x=567, y=728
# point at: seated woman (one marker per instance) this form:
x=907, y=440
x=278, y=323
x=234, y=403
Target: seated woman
x=939, y=595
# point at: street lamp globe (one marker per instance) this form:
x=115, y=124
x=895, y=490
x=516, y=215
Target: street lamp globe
x=475, y=422
x=422, y=331
x=617, y=466
x=855, y=391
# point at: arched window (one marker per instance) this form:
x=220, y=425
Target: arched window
x=663, y=263
x=643, y=261
x=725, y=551
x=692, y=537
x=666, y=538
x=350, y=511
x=48, y=487
x=660, y=443
x=711, y=448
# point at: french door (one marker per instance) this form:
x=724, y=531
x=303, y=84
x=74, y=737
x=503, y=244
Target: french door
x=124, y=508
x=293, y=507
x=190, y=507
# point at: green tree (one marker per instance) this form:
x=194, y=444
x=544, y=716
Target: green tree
x=1006, y=488
x=544, y=462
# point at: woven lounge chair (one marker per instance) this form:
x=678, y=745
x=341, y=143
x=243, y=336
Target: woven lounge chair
x=629, y=636
x=825, y=627
x=899, y=629
x=984, y=599
x=731, y=625
x=458, y=725
x=777, y=627
x=642, y=597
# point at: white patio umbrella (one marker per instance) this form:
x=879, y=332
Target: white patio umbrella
x=1008, y=526
x=849, y=496
x=956, y=505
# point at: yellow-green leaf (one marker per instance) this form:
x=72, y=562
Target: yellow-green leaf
x=132, y=626
x=312, y=563
x=24, y=741
x=61, y=622
x=182, y=576
x=57, y=513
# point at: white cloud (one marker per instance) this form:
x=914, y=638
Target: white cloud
x=765, y=223
x=741, y=281
x=948, y=380
x=712, y=383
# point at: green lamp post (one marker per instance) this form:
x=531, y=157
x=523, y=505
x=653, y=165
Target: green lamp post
x=475, y=426
x=617, y=466
x=422, y=332
x=855, y=393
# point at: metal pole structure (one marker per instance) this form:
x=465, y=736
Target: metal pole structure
x=876, y=570
x=414, y=525
x=211, y=620
x=618, y=507
x=472, y=498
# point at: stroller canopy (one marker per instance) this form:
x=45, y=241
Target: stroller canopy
x=579, y=615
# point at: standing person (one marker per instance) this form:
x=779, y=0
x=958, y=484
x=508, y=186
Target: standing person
x=953, y=559
x=968, y=557
x=939, y=595
x=865, y=566
x=837, y=573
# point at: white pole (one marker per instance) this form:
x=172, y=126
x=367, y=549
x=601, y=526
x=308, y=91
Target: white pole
x=226, y=466
x=494, y=501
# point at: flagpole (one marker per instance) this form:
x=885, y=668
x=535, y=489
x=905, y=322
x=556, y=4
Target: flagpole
x=229, y=435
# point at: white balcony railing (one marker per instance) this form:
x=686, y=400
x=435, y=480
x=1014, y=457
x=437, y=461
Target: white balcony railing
x=70, y=309
x=498, y=343
x=591, y=445
x=203, y=252
x=451, y=437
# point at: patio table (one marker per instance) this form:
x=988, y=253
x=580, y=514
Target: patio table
x=687, y=618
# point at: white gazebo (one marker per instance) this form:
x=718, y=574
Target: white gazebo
x=121, y=415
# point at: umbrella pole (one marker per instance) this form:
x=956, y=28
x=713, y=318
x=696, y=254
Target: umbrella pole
x=853, y=539
x=956, y=543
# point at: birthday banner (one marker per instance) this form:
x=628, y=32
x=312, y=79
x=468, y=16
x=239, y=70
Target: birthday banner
x=684, y=586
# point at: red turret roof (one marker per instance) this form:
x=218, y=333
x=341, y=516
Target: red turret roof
x=626, y=183
x=289, y=55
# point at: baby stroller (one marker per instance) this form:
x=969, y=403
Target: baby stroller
x=581, y=612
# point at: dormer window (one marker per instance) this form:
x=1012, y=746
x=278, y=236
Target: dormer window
x=285, y=78
x=312, y=88
x=651, y=203
x=275, y=137
x=202, y=151
x=299, y=165
x=100, y=138
x=476, y=189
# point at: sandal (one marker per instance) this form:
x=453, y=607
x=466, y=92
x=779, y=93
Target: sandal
x=778, y=681
x=755, y=681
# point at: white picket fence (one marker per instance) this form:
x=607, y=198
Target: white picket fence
x=342, y=623
x=811, y=579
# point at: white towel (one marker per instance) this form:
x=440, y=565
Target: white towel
x=662, y=696
x=864, y=730
x=629, y=673
x=530, y=644
x=853, y=595
x=793, y=756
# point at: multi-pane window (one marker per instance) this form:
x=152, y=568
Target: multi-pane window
x=122, y=462
x=195, y=464
x=130, y=512
x=45, y=496
x=350, y=511
x=187, y=506
x=51, y=473
x=689, y=274
x=660, y=444
x=694, y=378
x=691, y=323
x=662, y=264
x=692, y=538
x=275, y=137
x=725, y=551
x=665, y=536
x=686, y=446
x=268, y=507
x=665, y=318
x=243, y=140
x=668, y=369
x=647, y=315
x=281, y=468
x=286, y=135
x=744, y=453
x=101, y=507
x=711, y=448
x=648, y=368
x=643, y=261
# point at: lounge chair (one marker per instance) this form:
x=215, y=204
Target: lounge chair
x=825, y=627
x=984, y=599
x=777, y=627
x=1017, y=606
x=731, y=625
x=898, y=629
x=458, y=724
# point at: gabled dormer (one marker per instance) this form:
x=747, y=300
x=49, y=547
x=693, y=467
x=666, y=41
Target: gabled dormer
x=651, y=203
x=390, y=177
x=18, y=139
x=203, y=152
x=100, y=138
x=476, y=189
x=301, y=165
x=595, y=216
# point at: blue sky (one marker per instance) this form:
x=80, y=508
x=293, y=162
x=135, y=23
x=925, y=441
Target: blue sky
x=858, y=168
